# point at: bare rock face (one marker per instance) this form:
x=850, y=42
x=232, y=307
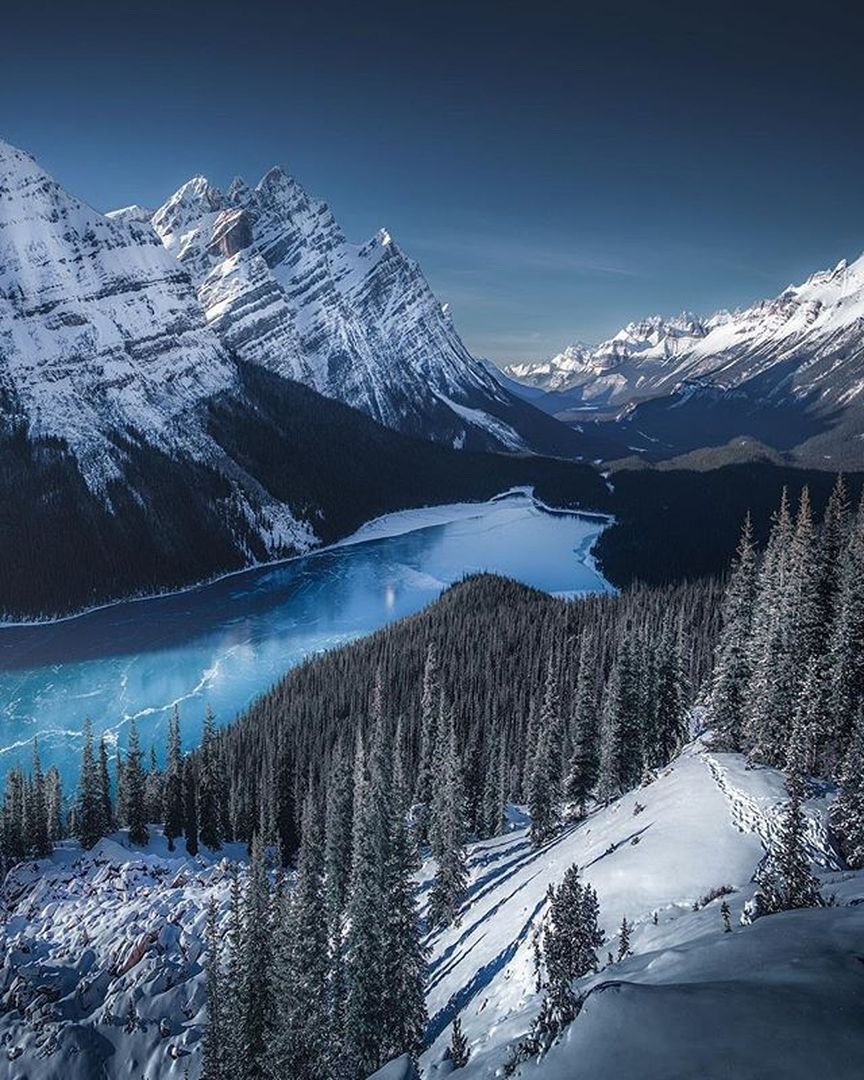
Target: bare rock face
x=232, y=232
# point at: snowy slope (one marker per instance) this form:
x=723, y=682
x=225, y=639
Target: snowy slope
x=94, y=932
x=99, y=327
x=807, y=343
x=282, y=287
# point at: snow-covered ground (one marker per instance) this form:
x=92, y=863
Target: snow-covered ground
x=84, y=935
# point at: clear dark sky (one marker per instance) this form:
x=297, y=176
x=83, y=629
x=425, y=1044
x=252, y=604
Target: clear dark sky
x=558, y=169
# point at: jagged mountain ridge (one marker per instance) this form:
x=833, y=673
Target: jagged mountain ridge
x=283, y=288
x=803, y=349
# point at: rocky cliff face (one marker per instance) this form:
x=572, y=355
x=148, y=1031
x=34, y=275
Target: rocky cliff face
x=283, y=288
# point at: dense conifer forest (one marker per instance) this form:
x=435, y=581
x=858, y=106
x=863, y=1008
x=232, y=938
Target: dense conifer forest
x=417, y=738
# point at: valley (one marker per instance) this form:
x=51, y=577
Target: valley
x=224, y=644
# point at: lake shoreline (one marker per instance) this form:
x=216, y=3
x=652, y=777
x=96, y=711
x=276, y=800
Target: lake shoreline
x=428, y=516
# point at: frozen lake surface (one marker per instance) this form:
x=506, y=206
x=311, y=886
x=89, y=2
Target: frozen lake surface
x=226, y=642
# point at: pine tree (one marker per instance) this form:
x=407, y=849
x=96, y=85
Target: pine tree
x=135, y=788
x=38, y=841
x=786, y=882
x=238, y=1061
x=106, y=809
x=545, y=785
x=458, y=1050
x=54, y=804
x=153, y=787
x=570, y=939
x=214, y=1042
x=624, y=934
x=88, y=815
x=303, y=1009
x=846, y=646
x=404, y=1004
x=337, y=841
x=173, y=795
x=833, y=539
x=848, y=810
x=494, y=804
x=364, y=956
x=726, y=916
x=621, y=752
x=449, y=886
x=582, y=773
x=190, y=808
x=771, y=689
x=733, y=663
x=430, y=696
x=211, y=791
x=669, y=697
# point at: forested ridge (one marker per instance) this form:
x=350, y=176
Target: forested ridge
x=416, y=739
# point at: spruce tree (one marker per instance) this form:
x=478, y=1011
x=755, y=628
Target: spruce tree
x=54, y=804
x=570, y=939
x=846, y=646
x=190, y=808
x=213, y=1060
x=173, y=795
x=582, y=773
x=545, y=785
x=135, y=788
x=404, y=1005
x=211, y=788
x=450, y=883
x=458, y=1049
x=786, y=882
x=88, y=811
x=848, y=810
x=624, y=933
x=39, y=841
x=364, y=954
x=106, y=809
x=669, y=698
x=733, y=663
x=300, y=1041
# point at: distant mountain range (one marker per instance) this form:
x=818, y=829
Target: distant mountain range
x=788, y=371
x=179, y=383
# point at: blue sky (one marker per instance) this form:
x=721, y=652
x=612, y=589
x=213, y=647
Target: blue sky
x=557, y=169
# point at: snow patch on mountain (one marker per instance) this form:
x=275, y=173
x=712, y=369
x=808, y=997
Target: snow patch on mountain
x=807, y=341
x=282, y=287
x=100, y=330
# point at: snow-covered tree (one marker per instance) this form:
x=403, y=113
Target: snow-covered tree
x=848, y=810
x=89, y=821
x=457, y=1051
x=134, y=779
x=625, y=932
x=786, y=883
x=211, y=787
x=173, y=795
x=733, y=664
x=449, y=886
x=213, y=1053
x=568, y=948
x=581, y=776
x=300, y=1042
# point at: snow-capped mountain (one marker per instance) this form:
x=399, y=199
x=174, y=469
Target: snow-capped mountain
x=147, y=378
x=804, y=348
x=100, y=329
x=104, y=949
x=283, y=288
